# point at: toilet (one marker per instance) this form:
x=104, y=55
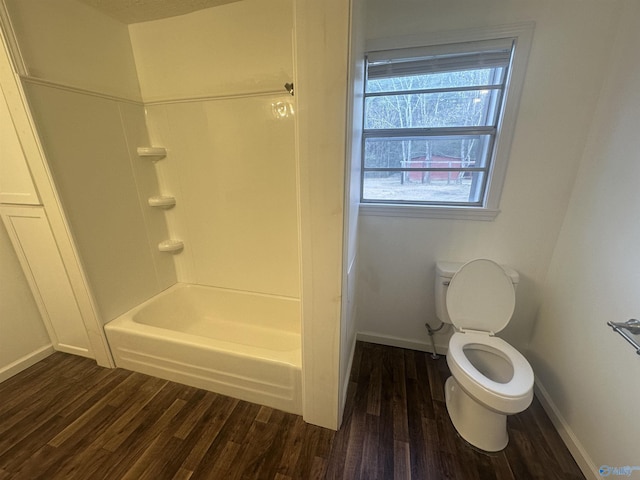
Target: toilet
x=489, y=378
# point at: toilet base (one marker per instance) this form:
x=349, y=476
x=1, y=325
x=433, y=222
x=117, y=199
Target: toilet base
x=481, y=427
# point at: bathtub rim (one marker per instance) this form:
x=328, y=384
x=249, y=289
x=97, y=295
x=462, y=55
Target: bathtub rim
x=125, y=323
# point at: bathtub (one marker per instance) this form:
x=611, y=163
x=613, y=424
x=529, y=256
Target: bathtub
x=244, y=345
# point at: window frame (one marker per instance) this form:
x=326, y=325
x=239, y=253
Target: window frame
x=399, y=47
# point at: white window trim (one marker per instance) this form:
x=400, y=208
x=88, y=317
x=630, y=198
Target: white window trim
x=523, y=35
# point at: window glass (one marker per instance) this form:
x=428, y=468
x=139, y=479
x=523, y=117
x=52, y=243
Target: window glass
x=409, y=187
x=468, y=78
x=428, y=110
x=430, y=125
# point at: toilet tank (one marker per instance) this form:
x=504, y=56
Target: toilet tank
x=444, y=273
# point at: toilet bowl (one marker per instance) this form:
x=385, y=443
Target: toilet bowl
x=489, y=378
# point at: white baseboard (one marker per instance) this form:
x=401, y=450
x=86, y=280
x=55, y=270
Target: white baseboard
x=81, y=352
x=400, y=342
x=578, y=452
x=25, y=362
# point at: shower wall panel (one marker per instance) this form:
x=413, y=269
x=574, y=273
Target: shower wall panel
x=213, y=84
x=231, y=166
x=90, y=144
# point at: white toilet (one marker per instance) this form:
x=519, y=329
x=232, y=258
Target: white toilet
x=490, y=379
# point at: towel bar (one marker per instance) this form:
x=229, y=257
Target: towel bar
x=626, y=329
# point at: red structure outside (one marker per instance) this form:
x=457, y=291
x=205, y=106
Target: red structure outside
x=435, y=162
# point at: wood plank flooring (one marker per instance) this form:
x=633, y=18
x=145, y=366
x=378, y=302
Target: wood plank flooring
x=67, y=418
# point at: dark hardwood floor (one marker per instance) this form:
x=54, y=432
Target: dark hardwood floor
x=67, y=418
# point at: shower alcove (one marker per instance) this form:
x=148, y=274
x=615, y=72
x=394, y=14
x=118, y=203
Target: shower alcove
x=184, y=167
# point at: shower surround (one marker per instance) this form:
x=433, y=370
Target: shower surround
x=224, y=311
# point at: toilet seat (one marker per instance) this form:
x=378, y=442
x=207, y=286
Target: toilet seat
x=511, y=397
x=481, y=297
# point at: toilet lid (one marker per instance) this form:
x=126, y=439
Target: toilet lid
x=481, y=297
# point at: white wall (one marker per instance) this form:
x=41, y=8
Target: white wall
x=238, y=48
x=67, y=42
x=572, y=40
x=23, y=337
x=210, y=79
x=588, y=373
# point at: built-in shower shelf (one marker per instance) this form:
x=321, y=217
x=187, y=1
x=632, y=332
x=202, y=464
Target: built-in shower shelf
x=171, y=246
x=152, y=152
x=162, y=201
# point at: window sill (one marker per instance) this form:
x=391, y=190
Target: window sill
x=427, y=211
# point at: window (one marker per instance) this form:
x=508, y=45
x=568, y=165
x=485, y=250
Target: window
x=433, y=131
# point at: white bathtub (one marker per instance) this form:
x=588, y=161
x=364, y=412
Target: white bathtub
x=240, y=344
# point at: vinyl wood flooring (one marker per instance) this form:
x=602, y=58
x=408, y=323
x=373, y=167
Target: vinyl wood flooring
x=67, y=418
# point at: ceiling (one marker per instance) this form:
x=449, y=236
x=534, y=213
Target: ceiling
x=135, y=11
